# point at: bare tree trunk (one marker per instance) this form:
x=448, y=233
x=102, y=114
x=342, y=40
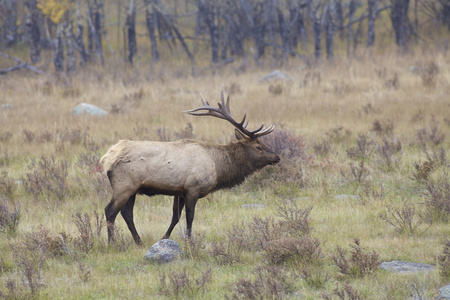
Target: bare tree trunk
x=71, y=59
x=131, y=30
x=151, y=20
x=58, y=49
x=270, y=20
x=79, y=37
x=399, y=18
x=33, y=32
x=214, y=33
x=445, y=12
x=98, y=29
x=372, y=8
x=94, y=28
x=339, y=18
x=209, y=13
x=351, y=12
x=317, y=29
x=259, y=31
x=90, y=27
x=356, y=36
x=329, y=33
x=9, y=32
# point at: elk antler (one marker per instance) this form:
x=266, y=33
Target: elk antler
x=223, y=112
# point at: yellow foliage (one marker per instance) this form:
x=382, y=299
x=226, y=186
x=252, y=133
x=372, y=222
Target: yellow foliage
x=55, y=10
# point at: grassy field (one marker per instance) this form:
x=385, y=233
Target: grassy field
x=363, y=179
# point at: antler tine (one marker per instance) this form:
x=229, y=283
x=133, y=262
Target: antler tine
x=265, y=131
x=224, y=112
x=228, y=102
x=204, y=103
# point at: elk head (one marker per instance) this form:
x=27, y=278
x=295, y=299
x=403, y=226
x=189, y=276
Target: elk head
x=259, y=154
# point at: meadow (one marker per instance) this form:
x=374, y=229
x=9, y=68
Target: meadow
x=363, y=179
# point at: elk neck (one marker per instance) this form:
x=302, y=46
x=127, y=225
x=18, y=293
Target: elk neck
x=232, y=164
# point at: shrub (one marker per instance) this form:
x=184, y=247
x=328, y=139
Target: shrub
x=88, y=233
x=339, y=134
x=7, y=185
x=304, y=250
x=355, y=172
x=182, y=284
x=47, y=177
x=229, y=252
x=9, y=218
x=389, y=153
x=428, y=72
x=315, y=277
x=286, y=144
x=359, y=264
x=444, y=261
x=5, y=136
x=404, y=219
x=383, y=127
x=84, y=272
x=194, y=246
x=30, y=255
x=271, y=282
x=438, y=199
x=433, y=134
x=347, y=292
x=294, y=218
x=434, y=159
x=322, y=147
x=364, y=147
x=371, y=192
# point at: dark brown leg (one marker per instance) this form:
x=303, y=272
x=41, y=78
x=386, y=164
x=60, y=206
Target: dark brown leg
x=127, y=214
x=178, y=204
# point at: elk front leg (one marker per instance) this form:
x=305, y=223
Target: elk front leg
x=191, y=201
x=178, y=204
x=127, y=214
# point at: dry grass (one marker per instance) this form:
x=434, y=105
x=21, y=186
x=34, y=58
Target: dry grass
x=356, y=132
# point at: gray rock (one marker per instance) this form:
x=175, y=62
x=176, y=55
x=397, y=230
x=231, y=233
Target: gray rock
x=163, y=252
x=444, y=293
x=275, y=75
x=340, y=197
x=88, y=109
x=6, y=106
x=252, y=206
x=405, y=266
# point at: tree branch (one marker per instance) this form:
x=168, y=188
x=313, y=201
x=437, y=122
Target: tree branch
x=20, y=65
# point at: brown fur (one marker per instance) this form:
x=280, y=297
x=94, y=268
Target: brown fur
x=186, y=169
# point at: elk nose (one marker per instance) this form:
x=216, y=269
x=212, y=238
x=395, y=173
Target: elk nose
x=277, y=160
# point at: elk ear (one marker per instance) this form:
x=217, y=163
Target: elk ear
x=239, y=135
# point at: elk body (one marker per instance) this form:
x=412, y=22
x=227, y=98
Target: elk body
x=186, y=169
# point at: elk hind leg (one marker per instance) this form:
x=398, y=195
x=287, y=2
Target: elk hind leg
x=127, y=214
x=118, y=201
x=178, y=204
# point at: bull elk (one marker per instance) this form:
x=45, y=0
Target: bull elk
x=186, y=169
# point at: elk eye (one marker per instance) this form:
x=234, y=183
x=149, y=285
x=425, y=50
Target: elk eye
x=258, y=147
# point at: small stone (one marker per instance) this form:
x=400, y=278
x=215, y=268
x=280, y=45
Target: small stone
x=444, y=293
x=88, y=109
x=405, y=266
x=253, y=206
x=163, y=251
x=6, y=106
x=340, y=197
x=275, y=75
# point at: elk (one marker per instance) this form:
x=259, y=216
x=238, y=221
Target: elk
x=186, y=169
